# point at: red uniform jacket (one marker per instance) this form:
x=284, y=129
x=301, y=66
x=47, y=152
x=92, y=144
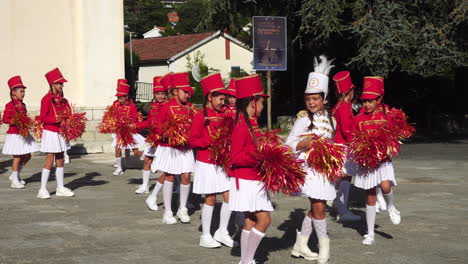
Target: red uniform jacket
x=372, y=121
x=51, y=108
x=10, y=110
x=200, y=135
x=343, y=114
x=153, y=112
x=230, y=111
x=127, y=111
x=172, y=108
x=243, y=146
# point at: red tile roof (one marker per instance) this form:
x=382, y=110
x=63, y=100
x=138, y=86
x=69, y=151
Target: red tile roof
x=155, y=49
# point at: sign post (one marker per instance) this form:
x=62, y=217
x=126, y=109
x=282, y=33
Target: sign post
x=270, y=49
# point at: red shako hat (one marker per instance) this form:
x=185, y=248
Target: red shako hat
x=55, y=76
x=15, y=82
x=248, y=86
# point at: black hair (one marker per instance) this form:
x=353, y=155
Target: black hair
x=205, y=113
x=52, y=90
x=327, y=108
x=11, y=92
x=241, y=107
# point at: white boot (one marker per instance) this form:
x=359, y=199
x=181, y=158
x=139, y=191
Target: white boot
x=324, y=250
x=301, y=249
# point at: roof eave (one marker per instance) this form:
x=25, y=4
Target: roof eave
x=195, y=46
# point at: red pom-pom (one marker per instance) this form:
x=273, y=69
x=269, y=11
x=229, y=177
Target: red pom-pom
x=124, y=133
x=370, y=148
x=38, y=127
x=221, y=143
x=109, y=121
x=73, y=125
x=326, y=157
x=400, y=124
x=153, y=139
x=23, y=122
x=278, y=166
x=175, y=130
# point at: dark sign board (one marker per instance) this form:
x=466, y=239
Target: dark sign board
x=269, y=43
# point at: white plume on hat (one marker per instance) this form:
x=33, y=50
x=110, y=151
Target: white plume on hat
x=318, y=79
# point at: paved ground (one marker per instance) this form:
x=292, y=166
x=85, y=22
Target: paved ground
x=107, y=223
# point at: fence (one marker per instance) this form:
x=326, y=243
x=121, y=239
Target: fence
x=144, y=92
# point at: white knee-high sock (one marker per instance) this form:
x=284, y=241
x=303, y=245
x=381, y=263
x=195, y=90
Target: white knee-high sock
x=320, y=227
x=167, y=195
x=44, y=178
x=389, y=199
x=370, y=219
x=145, y=178
x=225, y=215
x=381, y=199
x=306, y=228
x=244, y=244
x=344, y=190
x=207, y=214
x=59, y=177
x=118, y=161
x=156, y=189
x=184, y=194
x=14, y=176
x=255, y=237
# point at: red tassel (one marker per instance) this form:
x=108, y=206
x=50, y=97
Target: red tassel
x=73, y=125
x=23, y=122
x=221, y=143
x=404, y=129
x=326, y=157
x=175, y=130
x=109, y=121
x=153, y=139
x=38, y=127
x=370, y=148
x=124, y=133
x=278, y=166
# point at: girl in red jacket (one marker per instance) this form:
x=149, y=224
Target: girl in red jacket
x=160, y=98
x=173, y=160
x=16, y=144
x=230, y=107
x=210, y=179
x=246, y=192
x=125, y=109
x=343, y=114
x=53, y=107
x=374, y=117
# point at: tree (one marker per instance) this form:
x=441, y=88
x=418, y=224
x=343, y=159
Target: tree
x=142, y=15
x=190, y=15
x=199, y=60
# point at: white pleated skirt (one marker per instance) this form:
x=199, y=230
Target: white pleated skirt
x=369, y=179
x=53, y=142
x=173, y=161
x=149, y=151
x=317, y=186
x=16, y=144
x=139, y=139
x=209, y=178
x=250, y=197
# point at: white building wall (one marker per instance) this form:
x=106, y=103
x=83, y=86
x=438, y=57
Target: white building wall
x=214, y=54
x=84, y=38
x=146, y=73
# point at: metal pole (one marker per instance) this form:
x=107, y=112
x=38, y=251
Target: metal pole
x=131, y=51
x=269, y=101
